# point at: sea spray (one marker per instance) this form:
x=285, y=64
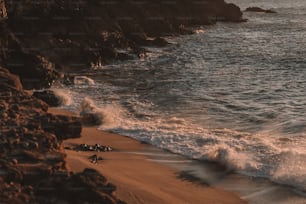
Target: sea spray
x=64, y=96
x=107, y=116
x=89, y=111
x=256, y=155
x=291, y=169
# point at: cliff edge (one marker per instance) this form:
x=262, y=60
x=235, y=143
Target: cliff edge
x=39, y=39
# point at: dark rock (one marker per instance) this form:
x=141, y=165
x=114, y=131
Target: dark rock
x=15, y=193
x=258, y=9
x=35, y=72
x=34, y=103
x=49, y=97
x=67, y=79
x=159, y=42
x=92, y=32
x=34, y=44
x=92, y=148
x=91, y=119
x=124, y=56
x=8, y=79
x=64, y=127
x=86, y=187
x=93, y=159
x=138, y=38
x=231, y=12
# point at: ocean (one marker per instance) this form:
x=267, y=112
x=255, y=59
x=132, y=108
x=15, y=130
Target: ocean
x=233, y=93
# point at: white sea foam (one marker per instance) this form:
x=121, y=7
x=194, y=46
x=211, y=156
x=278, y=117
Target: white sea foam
x=178, y=136
x=199, y=31
x=108, y=115
x=253, y=155
x=254, y=87
x=83, y=80
x=259, y=155
x=291, y=169
x=64, y=95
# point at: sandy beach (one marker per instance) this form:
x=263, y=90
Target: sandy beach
x=137, y=178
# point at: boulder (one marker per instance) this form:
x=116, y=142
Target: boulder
x=231, y=12
x=49, y=97
x=64, y=127
x=8, y=79
x=258, y=9
x=35, y=72
x=15, y=193
x=86, y=187
x=159, y=42
x=91, y=119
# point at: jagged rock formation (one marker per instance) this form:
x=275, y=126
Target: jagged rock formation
x=75, y=34
x=33, y=168
x=40, y=38
x=49, y=97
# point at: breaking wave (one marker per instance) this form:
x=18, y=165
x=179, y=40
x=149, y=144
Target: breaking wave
x=255, y=155
x=64, y=96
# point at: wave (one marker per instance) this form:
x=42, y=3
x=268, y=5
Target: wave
x=64, y=96
x=255, y=155
x=267, y=154
x=106, y=116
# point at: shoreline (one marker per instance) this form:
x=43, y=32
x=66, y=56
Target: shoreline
x=155, y=183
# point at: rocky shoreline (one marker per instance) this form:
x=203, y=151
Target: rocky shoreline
x=33, y=161
x=41, y=41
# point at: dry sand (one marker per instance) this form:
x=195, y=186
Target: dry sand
x=138, y=179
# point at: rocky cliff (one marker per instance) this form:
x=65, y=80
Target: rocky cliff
x=38, y=40
x=65, y=35
x=33, y=165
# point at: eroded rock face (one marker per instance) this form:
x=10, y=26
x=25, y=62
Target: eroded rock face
x=76, y=34
x=230, y=12
x=98, y=189
x=33, y=165
x=35, y=72
x=8, y=79
x=62, y=126
x=49, y=97
x=38, y=37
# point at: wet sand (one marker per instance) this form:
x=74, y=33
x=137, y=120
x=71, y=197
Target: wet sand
x=138, y=177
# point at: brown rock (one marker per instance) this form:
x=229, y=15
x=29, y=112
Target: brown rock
x=91, y=119
x=258, y=9
x=49, y=97
x=89, y=186
x=34, y=71
x=64, y=127
x=231, y=12
x=8, y=79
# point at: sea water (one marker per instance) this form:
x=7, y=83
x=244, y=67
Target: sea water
x=234, y=93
